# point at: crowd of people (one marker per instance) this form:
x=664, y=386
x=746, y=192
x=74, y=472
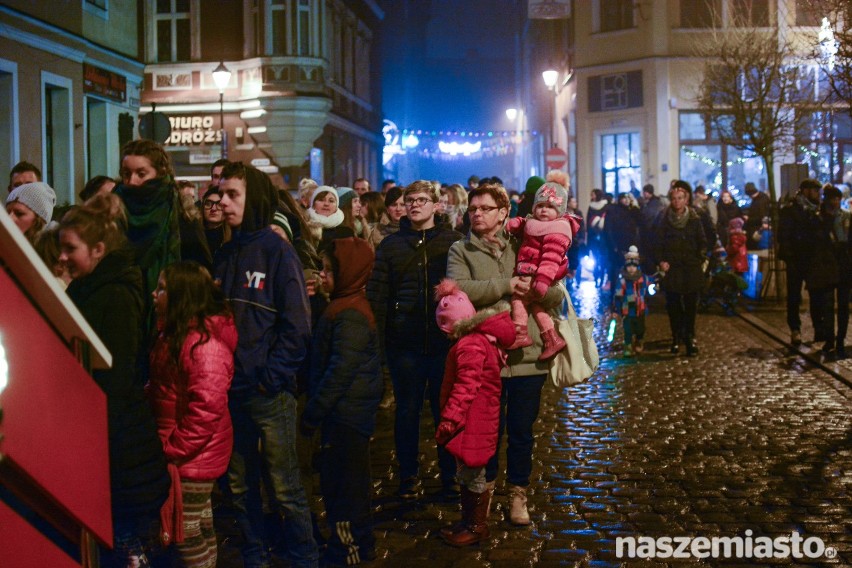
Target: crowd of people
x=250, y=329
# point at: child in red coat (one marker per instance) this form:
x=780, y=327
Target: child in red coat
x=547, y=236
x=192, y=365
x=736, y=249
x=470, y=401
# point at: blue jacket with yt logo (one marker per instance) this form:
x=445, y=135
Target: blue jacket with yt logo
x=261, y=276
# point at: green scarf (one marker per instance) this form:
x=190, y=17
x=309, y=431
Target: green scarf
x=678, y=221
x=153, y=232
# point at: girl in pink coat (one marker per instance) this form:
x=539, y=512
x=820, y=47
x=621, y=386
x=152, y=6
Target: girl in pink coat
x=736, y=249
x=470, y=401
x=192, y=364
x=546, y=237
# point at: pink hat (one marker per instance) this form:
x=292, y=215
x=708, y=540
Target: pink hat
x=736, y=224
x=453, y=305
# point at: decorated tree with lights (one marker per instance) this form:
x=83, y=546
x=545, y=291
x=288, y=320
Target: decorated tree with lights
x=750, y=87
x=833, y=48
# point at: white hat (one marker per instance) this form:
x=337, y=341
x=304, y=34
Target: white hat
x=38, y=196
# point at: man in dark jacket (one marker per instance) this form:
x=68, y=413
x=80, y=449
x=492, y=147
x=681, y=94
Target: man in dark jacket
x=797, y=231
x=652, y=206
x=409, y=264
x=760, y=207
x=261, y=276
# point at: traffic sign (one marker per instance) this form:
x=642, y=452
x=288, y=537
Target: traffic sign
x=556, y=158
x=155, y=126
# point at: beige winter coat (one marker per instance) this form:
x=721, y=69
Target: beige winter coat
x=484, y=274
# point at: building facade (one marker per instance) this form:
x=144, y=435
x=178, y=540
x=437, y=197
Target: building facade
x=302, y=100
x=69, y=88
x=628, y=113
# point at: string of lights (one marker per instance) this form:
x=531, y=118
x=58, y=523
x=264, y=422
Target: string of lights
x=469, y=133
x=690, y=153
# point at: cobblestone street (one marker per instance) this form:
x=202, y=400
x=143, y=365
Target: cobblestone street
x=745, y=436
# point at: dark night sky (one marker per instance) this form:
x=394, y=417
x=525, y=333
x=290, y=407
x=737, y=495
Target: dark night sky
x=450, y=64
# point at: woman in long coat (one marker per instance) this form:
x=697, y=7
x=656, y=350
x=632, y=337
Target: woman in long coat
x=681, y=251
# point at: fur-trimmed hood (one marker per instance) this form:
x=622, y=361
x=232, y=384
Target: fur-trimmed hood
x=495, y=321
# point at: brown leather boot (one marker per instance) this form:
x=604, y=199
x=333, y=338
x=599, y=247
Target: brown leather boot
x=522, y=338
x=475, y=506
x=553, y=344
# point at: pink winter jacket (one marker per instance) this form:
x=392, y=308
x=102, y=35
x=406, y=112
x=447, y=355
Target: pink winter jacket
x=543, y=249
x=737, y=253
x=191, y=403
x=470, y=393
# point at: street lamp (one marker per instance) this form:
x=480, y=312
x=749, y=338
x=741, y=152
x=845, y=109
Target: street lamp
x=551, y=76
x=511, y=114
x=222, y=76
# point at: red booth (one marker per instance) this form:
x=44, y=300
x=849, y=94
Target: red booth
x=54, y=462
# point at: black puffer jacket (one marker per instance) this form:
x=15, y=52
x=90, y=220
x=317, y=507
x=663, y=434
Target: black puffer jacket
x=409, y=264
x=685, y=251
x=110, y=298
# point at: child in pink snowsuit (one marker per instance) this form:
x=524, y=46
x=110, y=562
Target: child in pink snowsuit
x=470, y=401
x=546, y=237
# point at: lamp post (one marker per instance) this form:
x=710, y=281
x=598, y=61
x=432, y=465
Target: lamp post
x=222, y=76
x=551, y=76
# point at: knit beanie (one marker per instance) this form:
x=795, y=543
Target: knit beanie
x=533, y=184
x=280, y=220
x=736, y=224
x=632, y=256
x=38, y=196
x=453, y=305
x=554, y=195
x=324, y=189
x=345, y=195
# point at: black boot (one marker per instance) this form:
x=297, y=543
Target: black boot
x=691, y=348
x=675, y=346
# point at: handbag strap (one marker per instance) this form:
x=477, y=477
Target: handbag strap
x=569, y=311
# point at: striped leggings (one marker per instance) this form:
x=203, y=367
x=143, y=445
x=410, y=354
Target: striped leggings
x=198, y=549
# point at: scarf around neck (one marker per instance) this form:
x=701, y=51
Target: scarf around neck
x=329, y=222
x=153, y=231
x=678, y=221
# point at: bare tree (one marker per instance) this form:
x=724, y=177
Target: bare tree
x=750, y=87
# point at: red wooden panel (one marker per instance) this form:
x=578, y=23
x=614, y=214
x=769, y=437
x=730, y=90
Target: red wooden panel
x=54, y=415
x=22, y=546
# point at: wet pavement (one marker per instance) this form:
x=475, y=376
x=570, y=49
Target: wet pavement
x=748, y=436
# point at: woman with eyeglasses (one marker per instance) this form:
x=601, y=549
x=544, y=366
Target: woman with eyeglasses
x=483, y=264
x=216, y=230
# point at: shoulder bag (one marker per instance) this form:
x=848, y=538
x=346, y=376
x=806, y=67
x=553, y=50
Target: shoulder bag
x=579, y=360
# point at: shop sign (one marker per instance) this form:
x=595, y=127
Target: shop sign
x=105, y=83
x=194, y=131
x=204, y=157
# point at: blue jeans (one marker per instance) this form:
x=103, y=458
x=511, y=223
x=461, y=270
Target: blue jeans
x=272, y=420
x=519, y=404
x=415, y=375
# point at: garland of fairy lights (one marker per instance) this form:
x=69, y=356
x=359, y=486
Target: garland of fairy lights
x=690, y=153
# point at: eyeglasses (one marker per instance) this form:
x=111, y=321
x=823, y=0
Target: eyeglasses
x=484, y=208
x=211, y=204
x=418, y=201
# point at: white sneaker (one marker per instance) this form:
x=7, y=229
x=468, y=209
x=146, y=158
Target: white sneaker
x=518, y=513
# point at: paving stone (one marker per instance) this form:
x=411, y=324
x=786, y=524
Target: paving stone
x=745, y=436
